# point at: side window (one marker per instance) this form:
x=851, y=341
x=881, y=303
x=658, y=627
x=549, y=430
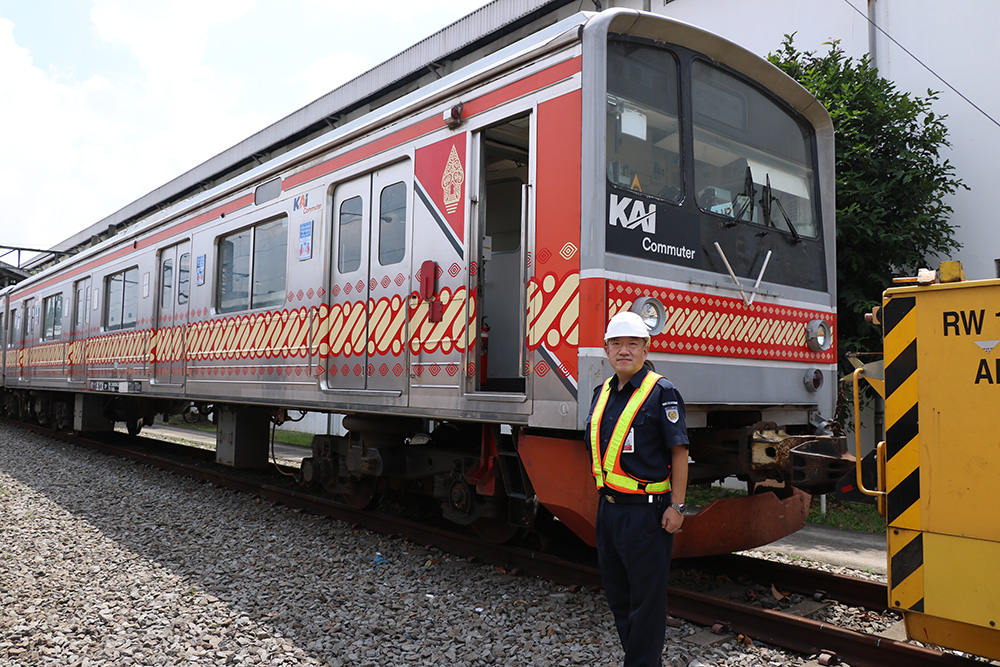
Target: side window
x=349, y=251
x=29, y=320
x=252, y=266
x=121, y=299
x=13, y=322
x=184, y=278
x=80, y=306
x=392, y=224
x=52, y=317
x=234, y=271
x=167, y=283
x=270, y=252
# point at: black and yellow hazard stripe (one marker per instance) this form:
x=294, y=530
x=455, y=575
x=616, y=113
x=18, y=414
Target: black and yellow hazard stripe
x=906, y=569
x=902, y=438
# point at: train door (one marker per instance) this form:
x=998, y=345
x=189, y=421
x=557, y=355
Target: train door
x=174, y=290
x=79, y=331
x=370, y=279
x=27, y=336
x=503, y=217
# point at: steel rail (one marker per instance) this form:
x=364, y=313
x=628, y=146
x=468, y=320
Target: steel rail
x=847, y=590
x=807, y=636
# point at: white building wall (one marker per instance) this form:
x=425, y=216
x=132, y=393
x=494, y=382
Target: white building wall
x=957, y=40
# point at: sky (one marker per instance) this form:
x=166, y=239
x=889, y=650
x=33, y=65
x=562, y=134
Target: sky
x=102, y=101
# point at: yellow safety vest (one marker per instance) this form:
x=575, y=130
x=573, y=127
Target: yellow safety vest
x=609, y=471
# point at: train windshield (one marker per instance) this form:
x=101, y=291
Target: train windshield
x=752, y=158
x=643, y=137
x=705, y=168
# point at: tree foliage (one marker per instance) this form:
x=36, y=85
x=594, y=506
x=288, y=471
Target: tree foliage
x=891, y=181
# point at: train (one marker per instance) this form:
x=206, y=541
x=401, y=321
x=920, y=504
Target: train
x=438, y=268
x=935, y=472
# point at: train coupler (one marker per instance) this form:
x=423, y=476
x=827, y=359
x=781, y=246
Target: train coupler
x=813, y=463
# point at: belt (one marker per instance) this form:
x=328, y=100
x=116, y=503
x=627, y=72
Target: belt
x=631, y=498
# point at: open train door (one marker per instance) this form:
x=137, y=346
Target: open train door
x=504, y=206
x=170, y=322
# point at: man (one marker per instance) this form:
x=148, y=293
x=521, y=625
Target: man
x=639, y=444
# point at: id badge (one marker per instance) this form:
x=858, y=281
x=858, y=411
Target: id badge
x=629, y=445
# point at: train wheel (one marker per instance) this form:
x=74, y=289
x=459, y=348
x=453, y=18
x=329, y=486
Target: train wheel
x=494, y=531
x=363, y=493
x=133, y=426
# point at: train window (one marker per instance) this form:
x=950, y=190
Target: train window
x=30, y=312
x=349, y=249
x=121, y=299
x=269, y=260
x=643, y=140
x=52, y=316
x=392, y=224
x=753, y=158
x=80, y=305
x=252, y=266
x=167, y=283
x=184, y=278
x=267, y=191
x=234, y=271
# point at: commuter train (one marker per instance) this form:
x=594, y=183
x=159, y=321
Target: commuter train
x=439, y=269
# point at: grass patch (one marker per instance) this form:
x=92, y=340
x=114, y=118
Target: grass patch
x=284, y=437
x=852, y=516
x=839, y=514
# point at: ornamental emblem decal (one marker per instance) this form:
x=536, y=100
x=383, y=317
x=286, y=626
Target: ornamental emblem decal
x=451, y=181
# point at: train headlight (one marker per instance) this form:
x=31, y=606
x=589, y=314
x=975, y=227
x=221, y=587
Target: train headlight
x=813, y=379
x=652, y=312
x=819, y=335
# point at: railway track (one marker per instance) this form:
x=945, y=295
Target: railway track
x=723, y=610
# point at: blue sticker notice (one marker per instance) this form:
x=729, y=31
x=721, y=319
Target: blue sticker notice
x=305, y=240
x=199, y=270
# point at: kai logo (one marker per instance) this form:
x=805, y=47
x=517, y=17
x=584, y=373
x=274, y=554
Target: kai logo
x=300, y=202
x=631, y=213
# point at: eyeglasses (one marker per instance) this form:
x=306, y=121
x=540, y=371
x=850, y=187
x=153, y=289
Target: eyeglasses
x=634, y=345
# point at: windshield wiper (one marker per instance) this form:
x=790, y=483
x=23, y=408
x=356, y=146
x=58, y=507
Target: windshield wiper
x=749, y=192
x=765, y=206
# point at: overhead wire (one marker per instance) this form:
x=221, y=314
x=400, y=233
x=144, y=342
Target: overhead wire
x=922, y=64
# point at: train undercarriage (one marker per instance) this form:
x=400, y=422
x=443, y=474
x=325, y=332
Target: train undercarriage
x=500, y=481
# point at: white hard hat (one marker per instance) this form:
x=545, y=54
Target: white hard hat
x=626, y=324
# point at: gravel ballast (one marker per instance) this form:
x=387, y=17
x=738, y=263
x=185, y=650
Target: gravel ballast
x=105, y=561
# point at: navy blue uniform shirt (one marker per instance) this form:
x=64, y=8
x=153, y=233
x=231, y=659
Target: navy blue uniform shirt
x=654, y=431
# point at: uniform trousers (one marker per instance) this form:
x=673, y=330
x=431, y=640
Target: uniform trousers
x=633, y=552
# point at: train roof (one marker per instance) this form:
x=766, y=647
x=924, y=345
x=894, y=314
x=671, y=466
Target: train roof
x=495, y=24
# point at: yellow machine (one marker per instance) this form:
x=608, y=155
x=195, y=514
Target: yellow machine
x=939, y=467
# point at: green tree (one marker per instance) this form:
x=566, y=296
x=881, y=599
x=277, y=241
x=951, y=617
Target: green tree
x=891, y=182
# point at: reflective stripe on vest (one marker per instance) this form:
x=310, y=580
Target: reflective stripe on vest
x=609, y=472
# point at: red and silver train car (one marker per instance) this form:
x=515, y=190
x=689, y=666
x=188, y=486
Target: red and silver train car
x=440, y=270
